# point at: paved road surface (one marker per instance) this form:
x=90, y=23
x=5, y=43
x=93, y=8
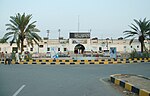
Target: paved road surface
x=64, y=80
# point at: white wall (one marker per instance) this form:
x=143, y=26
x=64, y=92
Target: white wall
x=119, y=44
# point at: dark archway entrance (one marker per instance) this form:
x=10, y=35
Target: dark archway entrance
x=79, y=49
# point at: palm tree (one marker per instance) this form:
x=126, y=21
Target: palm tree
x=20, y=30
x=141, y=31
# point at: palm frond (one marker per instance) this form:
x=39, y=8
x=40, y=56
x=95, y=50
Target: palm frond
x=130, y=32
x=15, y=37
x=4, y=39
x=35, y=30
x=128, y=36
x=137, y=22
x=8, y=34
x=12, y=28
x=131, y=40
x=36, y=36
x=134, y=27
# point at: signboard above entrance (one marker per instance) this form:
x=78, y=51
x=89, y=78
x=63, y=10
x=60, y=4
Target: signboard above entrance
x=79, y=41
x=79, y=35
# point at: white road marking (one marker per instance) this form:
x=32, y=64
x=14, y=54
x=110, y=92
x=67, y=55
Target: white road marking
x=19, y=90
x=101, y=79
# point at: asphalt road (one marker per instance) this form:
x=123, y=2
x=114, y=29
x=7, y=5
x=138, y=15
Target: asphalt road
x=64, y=80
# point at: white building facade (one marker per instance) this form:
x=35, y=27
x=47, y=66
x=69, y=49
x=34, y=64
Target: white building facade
x=83, y=39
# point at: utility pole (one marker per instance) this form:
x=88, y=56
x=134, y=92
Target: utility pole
x=90, y=32
x=78, y=23
x=90, y=35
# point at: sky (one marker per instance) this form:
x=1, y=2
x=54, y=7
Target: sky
x=105, y=18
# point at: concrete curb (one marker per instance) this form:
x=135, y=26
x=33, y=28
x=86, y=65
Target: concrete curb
x=72, y=62
x=128, y=86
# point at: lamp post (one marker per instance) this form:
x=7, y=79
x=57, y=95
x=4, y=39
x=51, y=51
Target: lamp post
x=149, y=45
x=48, y=31
x=107, y=42
x=59, y=35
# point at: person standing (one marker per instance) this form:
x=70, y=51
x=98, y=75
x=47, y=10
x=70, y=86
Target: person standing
x=6, y=58
x=97, y=55
x=22, y=56
x=10, y=58
x=2, y=57
x=92, y=53
x=17, y=57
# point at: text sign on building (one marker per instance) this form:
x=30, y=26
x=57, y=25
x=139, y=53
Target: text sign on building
x=79, y=35
x=79, y=41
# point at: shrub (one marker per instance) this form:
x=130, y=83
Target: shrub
x=135, y=54
x=28, y=56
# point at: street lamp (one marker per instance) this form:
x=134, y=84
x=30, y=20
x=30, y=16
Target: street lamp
x=59, y=35
x=48, y=31
x=107, y=42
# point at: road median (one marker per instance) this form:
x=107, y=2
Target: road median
x=135, y=83
x=72, y=61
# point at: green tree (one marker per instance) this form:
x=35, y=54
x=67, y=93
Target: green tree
x=21, y=30
x=141, y=31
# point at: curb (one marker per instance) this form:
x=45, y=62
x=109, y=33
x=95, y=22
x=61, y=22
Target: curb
x=128, y=86
x=73, y=62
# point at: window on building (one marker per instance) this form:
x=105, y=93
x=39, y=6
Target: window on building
x=0, y=48
x=100, y=48
x=65, y=49
x=45, y=42
x=41, y=46
x=58, y=49
x=131, y=46
x=24, y=46
x=137, y=46
x=48, y=49
x=124, y=46
x=15, y=49
x=31, y=49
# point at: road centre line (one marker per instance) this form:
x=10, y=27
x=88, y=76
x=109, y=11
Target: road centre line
x=19, y=90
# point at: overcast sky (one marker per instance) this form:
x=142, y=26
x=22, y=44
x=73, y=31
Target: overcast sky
x=106, y=18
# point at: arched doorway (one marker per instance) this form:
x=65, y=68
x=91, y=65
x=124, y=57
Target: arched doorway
x=79, y=49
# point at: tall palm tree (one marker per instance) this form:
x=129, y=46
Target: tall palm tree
x=21, y=30
x=141, y=31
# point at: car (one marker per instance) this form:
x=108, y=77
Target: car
x=118, y=54
x=48, y=54
x=35, y=55
x=106, y=53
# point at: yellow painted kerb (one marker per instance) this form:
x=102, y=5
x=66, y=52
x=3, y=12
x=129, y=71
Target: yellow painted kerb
x=105, y=62
x=117, y=81
x=128, y=86
x=144, y=93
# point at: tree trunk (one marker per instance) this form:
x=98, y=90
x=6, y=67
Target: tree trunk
x=22, y=46
x=141, y=39
x=142, y=45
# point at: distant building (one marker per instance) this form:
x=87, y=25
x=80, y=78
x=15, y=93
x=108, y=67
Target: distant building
x=79, y=42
